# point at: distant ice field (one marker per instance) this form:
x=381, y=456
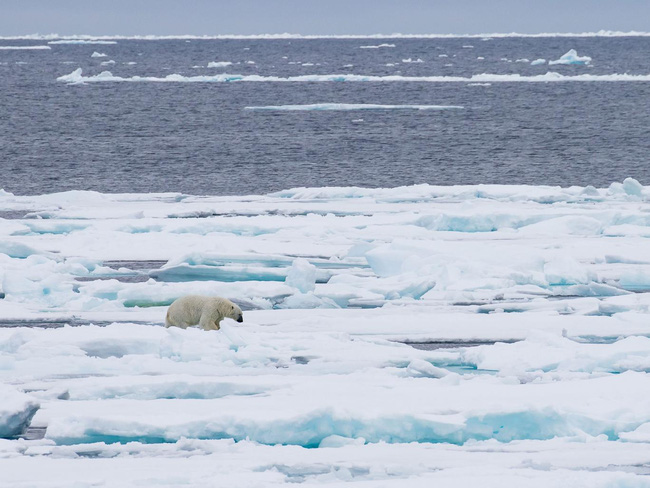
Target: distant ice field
x=533, y=113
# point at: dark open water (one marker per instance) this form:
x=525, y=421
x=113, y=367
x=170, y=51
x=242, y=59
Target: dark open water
x=198, y=138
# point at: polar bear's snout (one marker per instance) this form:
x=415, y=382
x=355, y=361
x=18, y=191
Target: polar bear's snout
x=240, y=319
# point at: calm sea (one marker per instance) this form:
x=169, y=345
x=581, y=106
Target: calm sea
x=198, y=137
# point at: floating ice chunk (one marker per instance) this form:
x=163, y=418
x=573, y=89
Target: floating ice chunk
x=410, y=60
x=571, y=57
x=637, y=279
x=353, y=106
x=307, y=300
x=16, y=411
x=302, y=275
x=522, y=60
x=340, y=441
x=376, y=46
x=250, y=62
x=219, y=64
x=422, y=368
x=640, y=434
x=632, y=187
x=98, y=55
x=28, y=48
x=480, y=58
x=468, y=46
x=537, y=62
x=106, y=63
x=81, y=41
x=442, y=56
x=16, y=249
x=564, y=270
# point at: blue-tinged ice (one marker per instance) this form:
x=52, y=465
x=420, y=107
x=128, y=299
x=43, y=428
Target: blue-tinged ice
x=571, y=57
x=16, y=411
x=302, y=275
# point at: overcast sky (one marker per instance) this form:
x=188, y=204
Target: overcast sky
x=168, y=17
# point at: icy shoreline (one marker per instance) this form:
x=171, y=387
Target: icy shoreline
x=317, y=384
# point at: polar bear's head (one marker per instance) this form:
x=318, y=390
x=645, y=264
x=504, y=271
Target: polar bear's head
x=232, y=311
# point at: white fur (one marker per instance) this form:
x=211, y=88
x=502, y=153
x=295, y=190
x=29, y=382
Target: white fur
x=208, y=312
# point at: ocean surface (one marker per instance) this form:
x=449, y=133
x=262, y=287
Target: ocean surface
x=196, y=135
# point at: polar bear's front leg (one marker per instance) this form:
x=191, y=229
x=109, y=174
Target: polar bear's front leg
x=208, y=323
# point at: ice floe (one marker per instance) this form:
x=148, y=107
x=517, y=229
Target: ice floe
x=82, y=41
x=96, y=54
x=571, y=57
x=16, y=411
x=106, y=76
x=377, y=46
x=352, y=106
x=219, y=64
x=537, y=62
x=27, y=48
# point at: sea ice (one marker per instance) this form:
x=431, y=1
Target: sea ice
x=391, y=336
x=302, y=275
x=76, y=77
x=571, y=57
x=352, y=106
x=537, y=62
x=16, y=411
x=377, y=46
x=219, y=64
x=26, y=48
x=82, y=41
x=96, y=54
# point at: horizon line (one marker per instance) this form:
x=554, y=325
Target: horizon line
x=287, y=35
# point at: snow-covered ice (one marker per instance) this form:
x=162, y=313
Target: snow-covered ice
x=77, y=77
x=96, y=54
x=219, y=64
x=376, y=46
x=352, y=106
x=537, y=62
x=28, y=48
x=571, y=57
x=391, y=337
x=82, y=41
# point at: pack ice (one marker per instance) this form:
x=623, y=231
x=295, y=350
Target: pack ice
x=484, y=335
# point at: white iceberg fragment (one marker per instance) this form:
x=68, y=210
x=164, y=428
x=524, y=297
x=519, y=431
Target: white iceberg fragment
x=571, y=57
x=538, y=61
x=98, y=55
x=302, y=275
x=378, y=46
x=340, y=441
x=219, y=64
x=16, y=411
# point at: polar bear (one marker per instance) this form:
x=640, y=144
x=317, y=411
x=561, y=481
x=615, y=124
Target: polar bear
x=205, y=311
